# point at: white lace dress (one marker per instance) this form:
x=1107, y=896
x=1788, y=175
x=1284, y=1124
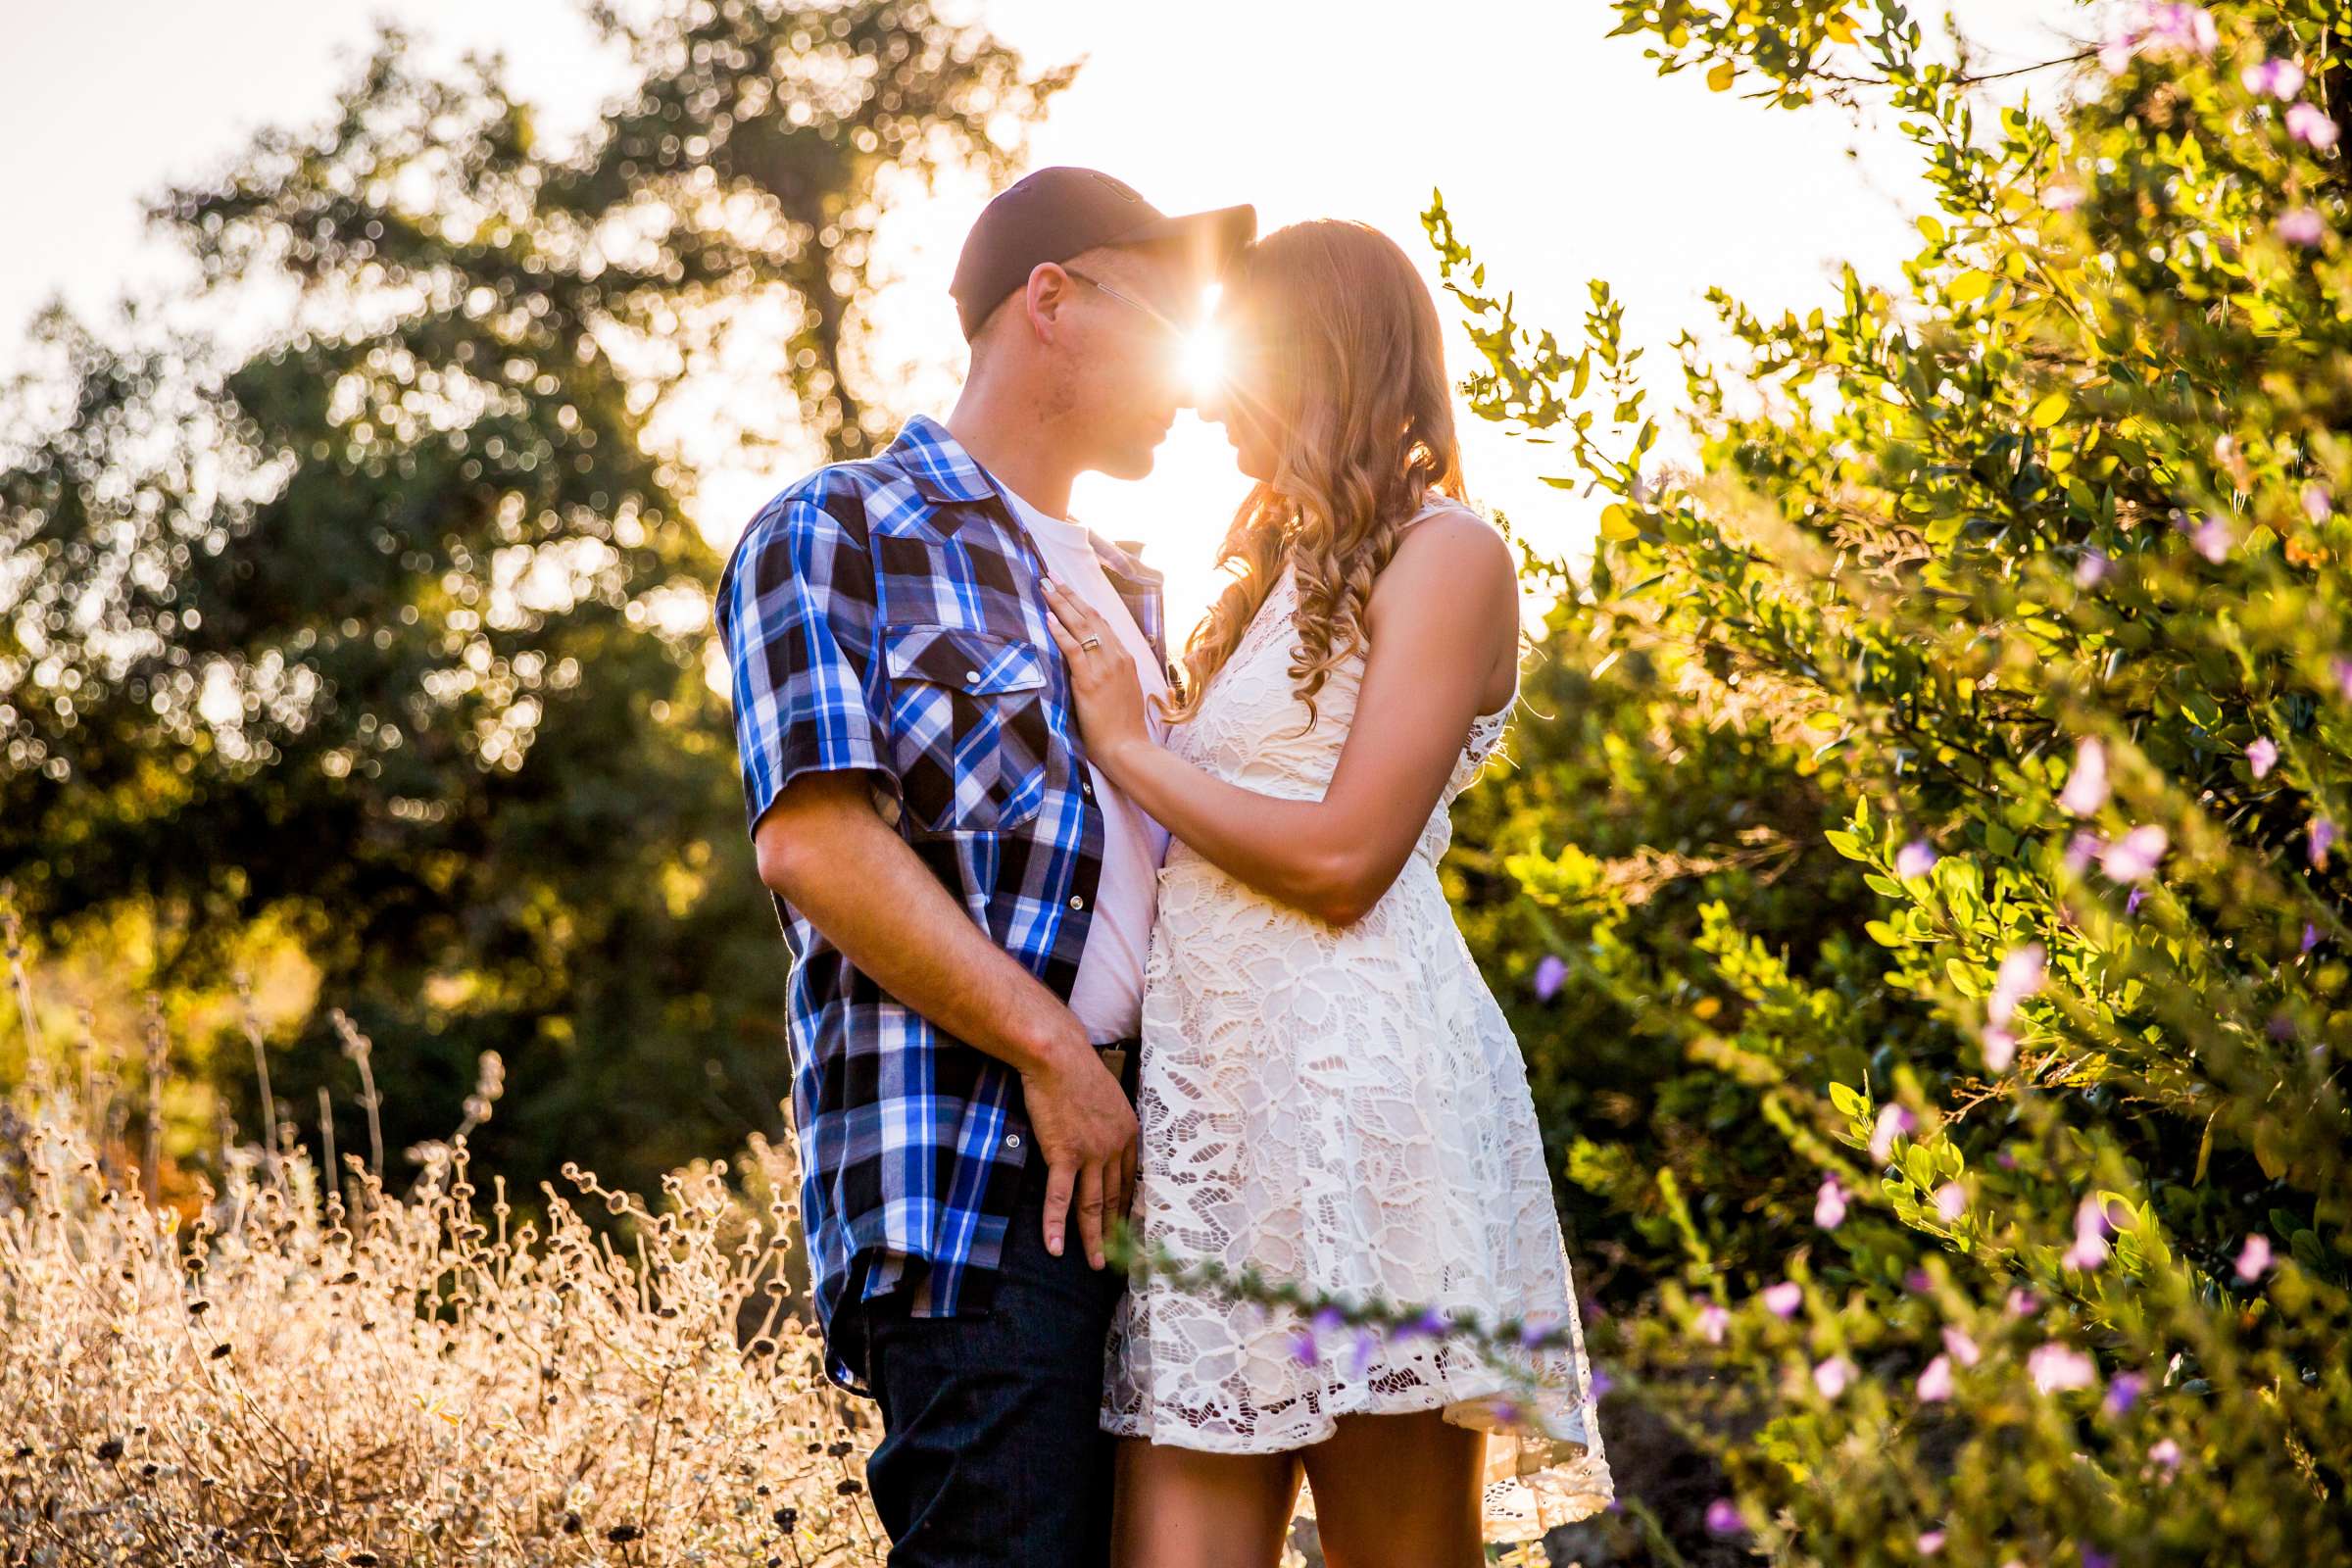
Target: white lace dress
x=1344, y=1108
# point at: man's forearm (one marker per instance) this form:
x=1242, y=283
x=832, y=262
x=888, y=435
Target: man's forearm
x=827, y=853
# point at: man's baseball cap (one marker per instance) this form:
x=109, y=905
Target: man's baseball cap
x=1054, y=213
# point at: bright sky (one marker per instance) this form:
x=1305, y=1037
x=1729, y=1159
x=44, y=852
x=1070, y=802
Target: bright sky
x=1561, y=153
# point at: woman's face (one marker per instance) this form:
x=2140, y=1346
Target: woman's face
x=1243, y=397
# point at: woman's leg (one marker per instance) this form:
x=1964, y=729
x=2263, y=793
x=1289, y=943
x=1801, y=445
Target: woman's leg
x=1182, y=1508
x=1399, y=1491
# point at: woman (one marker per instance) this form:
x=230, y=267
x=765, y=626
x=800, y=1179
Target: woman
x=1329, y=1093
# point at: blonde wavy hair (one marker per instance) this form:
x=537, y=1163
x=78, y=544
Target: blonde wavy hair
x=1339, y=355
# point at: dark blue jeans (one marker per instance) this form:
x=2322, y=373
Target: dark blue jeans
x=991, y=1455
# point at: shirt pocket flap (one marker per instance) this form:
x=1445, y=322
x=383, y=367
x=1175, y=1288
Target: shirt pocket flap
x=979, y=663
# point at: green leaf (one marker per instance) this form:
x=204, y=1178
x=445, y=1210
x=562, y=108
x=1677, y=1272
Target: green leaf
x=1973, y=284
x=1964, y=978
x=1845, y=844
x=2048, y=412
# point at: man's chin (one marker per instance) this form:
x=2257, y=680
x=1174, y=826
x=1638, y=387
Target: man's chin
x=1132, y=465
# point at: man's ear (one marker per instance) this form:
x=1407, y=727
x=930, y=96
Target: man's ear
x=1046, y=296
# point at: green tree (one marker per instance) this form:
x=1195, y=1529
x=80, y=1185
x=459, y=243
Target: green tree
x=395, y=632
x=2004, y=1216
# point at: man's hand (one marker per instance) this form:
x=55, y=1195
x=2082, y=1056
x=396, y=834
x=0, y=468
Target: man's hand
x=1087, y=1133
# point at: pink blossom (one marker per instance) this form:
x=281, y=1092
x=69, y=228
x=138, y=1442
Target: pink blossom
x=1550, y=970
x=2136, y=856
x=2021, y=973
x=1722, y=1517
x=2302, y=225
x=2273, y=78
x=2054, y=1367
x=1712, y=1323
x=1915, y=858
x=2318, y=502
x=2087, y=786
x=2166, y=1452
x=2023, y=1302
x=2211, y=539
x=1893, y=1122
x=1829, y=1205
x=2342, y=668
x=1833, y=1376
x=1936, y=1381
x=1951, y=1201
x=1782, y=1299
x=2254, y=1260
x=2091, y=1230
x=1931, y=1541
x=2000, y=1048
x=2323, y=839
x=2308, y=122
x=2262, y=756
x=1963, y=1349
x=2061, y=196
x=2090, y=569
x=2159, y=31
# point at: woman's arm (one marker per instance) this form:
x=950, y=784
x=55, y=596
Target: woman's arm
x=1443, y=614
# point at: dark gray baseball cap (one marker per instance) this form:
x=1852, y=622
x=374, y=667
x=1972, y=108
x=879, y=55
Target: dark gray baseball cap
x=1054, y=213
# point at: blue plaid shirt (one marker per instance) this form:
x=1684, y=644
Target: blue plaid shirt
x=885, y=615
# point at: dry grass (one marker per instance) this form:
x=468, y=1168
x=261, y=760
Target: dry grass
x=277, y=1372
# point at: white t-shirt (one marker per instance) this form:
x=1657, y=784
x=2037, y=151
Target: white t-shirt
x=1109, y=994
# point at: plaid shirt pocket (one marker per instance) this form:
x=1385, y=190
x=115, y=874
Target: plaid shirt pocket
x=967, y=728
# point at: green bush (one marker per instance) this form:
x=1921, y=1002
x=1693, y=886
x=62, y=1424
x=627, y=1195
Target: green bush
x=1928, y=916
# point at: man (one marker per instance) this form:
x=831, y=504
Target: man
x=967, y=902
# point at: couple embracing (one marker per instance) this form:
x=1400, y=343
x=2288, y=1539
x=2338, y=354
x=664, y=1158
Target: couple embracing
x=1079, y=933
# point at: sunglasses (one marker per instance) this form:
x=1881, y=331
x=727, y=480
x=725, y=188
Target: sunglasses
x=1159, y=317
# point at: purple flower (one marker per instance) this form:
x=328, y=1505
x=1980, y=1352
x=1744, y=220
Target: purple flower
x=2087, y=787
x=2254, y=1260
x=2342, y=668
x=1723, y=1518
x=1507, y=1413
x=1833, y=1376
x=1433, y=1323
x=2135, y=857
x=2083, y=849
x=2094, y=1558
x=1782, y=1299
x=1893, y=1122
x=2056, y=1367
x=2302, y=225
x=2322, y=838
x=1327, y=1320
x=2211, y=539
x=1359, y=1356
x=2311, y=939
x=1712, y=1323
x=1936, y=1381
x=2132, y=903
x=2318, y=502
x=2308, y=122
x=1917, y=1282
x=1829, y=1204
x=2273, y=78
x=2124, y=1392
x=1951, y=1201
x=1931, y=1541
x=2262, y=756
x=1600, y=1384
x=1963, y=1349
x=2021, y=973
x=1550, y=970
x=1915, y=858
x=2090, y=569
x=1536, y=1329
x=1302, y=1350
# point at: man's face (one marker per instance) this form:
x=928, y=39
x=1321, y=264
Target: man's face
x=1121, y=352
